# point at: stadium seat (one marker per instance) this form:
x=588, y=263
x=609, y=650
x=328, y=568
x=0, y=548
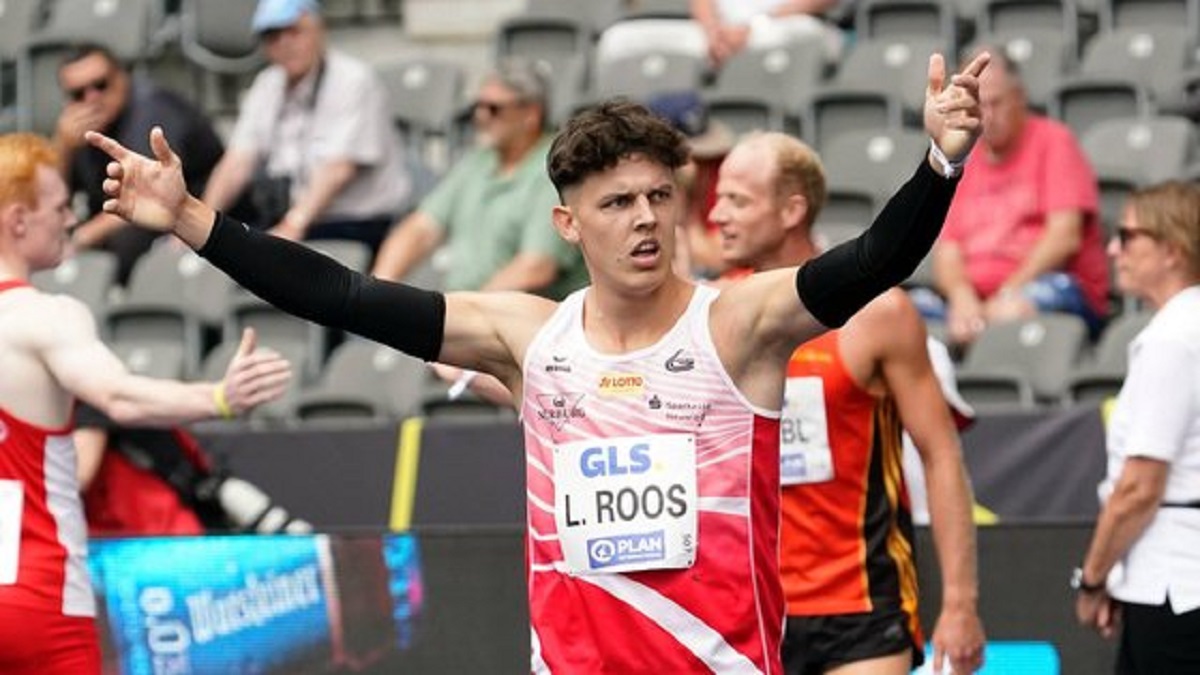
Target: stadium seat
x=215, y=36
x=1126, y=72
x=895, y=67
x=1026, y=362
x=1101, y=375
x=640, y=77
x=424, y=95
x=18, y=20
x=173, y=295
x=757, y=88
x=559, y=47
x=364, y=380
x=905, y=19
x=1134, y=152
x=863, y=169
x=1119, y=14
x=88, y=275
x=832, y=111
x=153, y=358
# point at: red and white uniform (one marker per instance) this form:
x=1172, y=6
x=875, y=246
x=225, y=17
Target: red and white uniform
x=43, y=542
x=653, y=506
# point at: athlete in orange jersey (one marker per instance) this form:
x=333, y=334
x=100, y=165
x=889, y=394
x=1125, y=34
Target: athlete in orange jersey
x=846, y=539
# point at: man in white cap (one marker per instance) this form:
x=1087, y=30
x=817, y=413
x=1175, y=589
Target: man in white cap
x=314, y=138
x=846, y=539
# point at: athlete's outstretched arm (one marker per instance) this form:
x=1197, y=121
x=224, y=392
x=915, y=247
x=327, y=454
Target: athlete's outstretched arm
x=293, y=277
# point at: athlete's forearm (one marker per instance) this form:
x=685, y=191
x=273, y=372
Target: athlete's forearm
x=303, y=282
x=836, y=284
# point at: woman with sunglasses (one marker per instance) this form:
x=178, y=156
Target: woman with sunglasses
x=1141, y=573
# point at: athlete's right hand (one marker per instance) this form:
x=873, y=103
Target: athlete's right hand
x=147, y=192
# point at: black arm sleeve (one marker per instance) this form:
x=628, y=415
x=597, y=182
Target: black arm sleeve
x=838, y=283
x=312, y=286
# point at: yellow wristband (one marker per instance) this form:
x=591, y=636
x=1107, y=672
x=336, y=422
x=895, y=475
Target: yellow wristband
x=223, y=409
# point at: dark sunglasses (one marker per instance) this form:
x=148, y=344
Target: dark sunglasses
x=491, y=108
x=1125, y=235
x=79, y=93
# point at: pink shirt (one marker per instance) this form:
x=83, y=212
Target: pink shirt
x=999, y=211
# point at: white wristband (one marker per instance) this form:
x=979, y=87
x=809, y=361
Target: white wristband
x=946, y=167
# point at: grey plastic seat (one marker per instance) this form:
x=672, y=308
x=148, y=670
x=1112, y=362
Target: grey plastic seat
x=159, y=359
x=216, y=37
x=891, y=66
x=1126, y=72
x=1022, y=363
x=173, y=294
x=1101, y=375
x=18, y=20
x=88, y=275
x=832, y=111
x=640, y=77
x=364, y=380
x=906, y=19
x=1118, y=14
x=1128, y=153
x=424, y=95
x=863, y=168
x=764, y=88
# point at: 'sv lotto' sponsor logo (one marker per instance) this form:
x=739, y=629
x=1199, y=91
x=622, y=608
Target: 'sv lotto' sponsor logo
x=621, y=384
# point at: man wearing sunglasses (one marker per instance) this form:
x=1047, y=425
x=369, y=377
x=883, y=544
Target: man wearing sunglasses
x=99, y=94
x=492, y=209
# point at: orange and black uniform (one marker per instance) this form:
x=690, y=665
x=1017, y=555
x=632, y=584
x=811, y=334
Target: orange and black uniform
x=846, y=544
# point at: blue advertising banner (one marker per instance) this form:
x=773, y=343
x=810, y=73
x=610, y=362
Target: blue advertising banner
x=254, y=604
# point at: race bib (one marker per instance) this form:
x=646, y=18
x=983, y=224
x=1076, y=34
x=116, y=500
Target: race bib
x=804, y=452
x=626, y=504
x=11, y=503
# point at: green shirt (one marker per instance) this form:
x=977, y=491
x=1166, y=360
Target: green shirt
x=487, y=219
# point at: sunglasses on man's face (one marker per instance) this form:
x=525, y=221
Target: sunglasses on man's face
x=79, y=93
x=1125, y=235
x=493, y=108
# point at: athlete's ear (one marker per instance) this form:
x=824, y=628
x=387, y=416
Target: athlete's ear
x=566, y=224
x=12, y=218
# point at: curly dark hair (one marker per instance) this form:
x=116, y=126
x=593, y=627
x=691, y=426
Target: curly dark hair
x=598, y=137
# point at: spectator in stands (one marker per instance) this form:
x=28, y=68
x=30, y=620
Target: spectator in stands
x=102, y=95
x=709, y=141
x=51, y=355
x=1141, y=574
x=657, y=371
x=314, y=141
x=1023, y=234
x=846, y=538
x=492, y=210
x=719, y=29
x=732, y=25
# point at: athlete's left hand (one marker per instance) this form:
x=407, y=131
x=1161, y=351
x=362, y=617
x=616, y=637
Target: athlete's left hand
x=958, y=636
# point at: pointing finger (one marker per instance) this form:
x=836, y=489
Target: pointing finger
x=109, y=146
x=977, y=65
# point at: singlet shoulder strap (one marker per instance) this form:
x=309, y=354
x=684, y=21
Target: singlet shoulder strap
x=8, y=284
